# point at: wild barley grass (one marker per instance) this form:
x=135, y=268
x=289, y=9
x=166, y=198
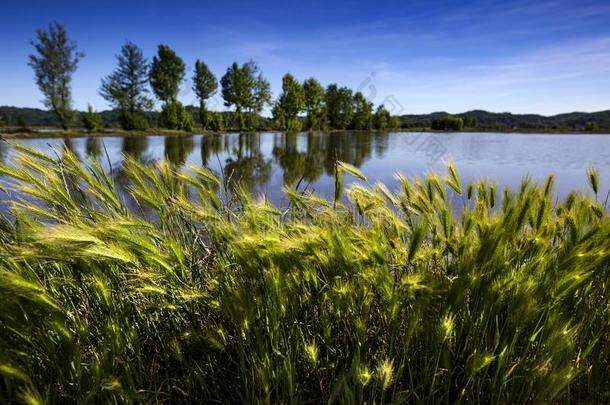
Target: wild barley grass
x=391, y=297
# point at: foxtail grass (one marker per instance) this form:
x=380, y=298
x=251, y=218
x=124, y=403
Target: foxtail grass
x=376, y=297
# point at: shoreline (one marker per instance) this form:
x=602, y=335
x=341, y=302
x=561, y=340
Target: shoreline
x=116, y=132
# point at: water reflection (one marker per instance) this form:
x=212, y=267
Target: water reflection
x=246, y=165
x=93, y=147
x=263, y=162
x=178, y=148
x=135, y=146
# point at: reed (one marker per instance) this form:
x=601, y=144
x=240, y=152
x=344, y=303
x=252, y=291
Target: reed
x=377, y=297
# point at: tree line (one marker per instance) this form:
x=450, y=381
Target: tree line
x=134, y=84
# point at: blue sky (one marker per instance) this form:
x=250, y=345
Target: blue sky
x=417, y=56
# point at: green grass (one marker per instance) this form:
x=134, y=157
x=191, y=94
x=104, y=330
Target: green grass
x=392, y=297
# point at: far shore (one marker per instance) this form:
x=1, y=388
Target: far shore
x=80, y=133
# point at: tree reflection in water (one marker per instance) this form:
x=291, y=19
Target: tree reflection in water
x=135, y=146
x=246, y=166
x=178, y=148
x=93, y=147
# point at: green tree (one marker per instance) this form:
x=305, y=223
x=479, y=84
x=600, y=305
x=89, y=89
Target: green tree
x=4, y=121
x=470, y=121
x=339, y=106
x=591, y=126
x=261, y=94
x=235, y=92
x=448, y=123
x=217, y=122
x=245, y=89
x=91, y=119
x=166, y=73
x=382, y=118
x=204, y=86
x=315, y=105
x=54, y=64
x=126, y=89
x=175, y=116
x=290, y=103
x=363, y=113
x=395, y=122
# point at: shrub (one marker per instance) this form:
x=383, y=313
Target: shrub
x=448, y=123
x=91, y=119
x=395, y=122
x=175, y=116
x=293, y=125
x=134, y=121
x=216, y=121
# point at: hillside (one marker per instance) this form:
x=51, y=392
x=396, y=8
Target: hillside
x=507, y=121
x=482, y=120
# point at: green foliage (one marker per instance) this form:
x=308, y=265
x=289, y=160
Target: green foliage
x=382, y=118
x=204, y=86
x=166, y=73
x=216, y=122
x=314, y=104
x=591, y=126
x=245, y=89
x=363, y=113
x=395, y=122
x=448, y=123
x=91, y=120
x=54, y=63
x=133, y=121
x=126, y=89
x=470, y=121
x=21, y=121
x=290, y=103
x=4, y=121
x=339, y=106
x=384, y=298
x=175, y=116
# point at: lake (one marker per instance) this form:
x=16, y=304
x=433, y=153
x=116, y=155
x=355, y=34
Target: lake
x=264, y=162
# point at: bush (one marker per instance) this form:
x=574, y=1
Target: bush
x=395, y=122
x=294, y=125
x=134, y=121
x=4, y=121
x=591, y=126
x=216, y=121
x=175, y=116
x=91, y=119
x=448, y=123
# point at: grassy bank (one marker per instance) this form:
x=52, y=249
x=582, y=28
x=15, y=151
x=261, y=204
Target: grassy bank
x=223, y=298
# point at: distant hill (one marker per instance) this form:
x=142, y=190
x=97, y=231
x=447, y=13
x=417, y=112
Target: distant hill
x=507, y=121
x=478, y=119
x=34, y=117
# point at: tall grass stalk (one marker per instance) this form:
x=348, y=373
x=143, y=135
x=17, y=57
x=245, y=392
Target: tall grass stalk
x=388, y=297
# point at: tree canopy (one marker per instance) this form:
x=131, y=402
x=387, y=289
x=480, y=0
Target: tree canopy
x=339, y=106
x=245, y=89
x=204, y=86
x=166, y=73
x=315, y=105
x=289, y=104
x=363, y=113
x=448, y=123
x=54, y=63
x=127, y=87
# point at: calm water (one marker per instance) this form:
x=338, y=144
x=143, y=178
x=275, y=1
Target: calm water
x=266, y=161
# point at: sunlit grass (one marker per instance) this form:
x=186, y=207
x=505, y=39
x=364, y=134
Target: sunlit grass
x=392, y=297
